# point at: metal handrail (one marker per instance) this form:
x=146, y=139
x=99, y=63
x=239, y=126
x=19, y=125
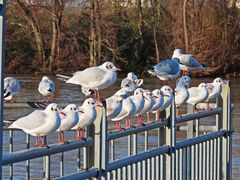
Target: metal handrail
x=137, y=158
x=90, y=173
x=198, y=115
x=137, y=129
x=28, y=154
x=199, y=139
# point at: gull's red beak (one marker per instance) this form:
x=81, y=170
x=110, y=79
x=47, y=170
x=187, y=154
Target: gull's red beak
x=62, y=113
x=81, y=111
x=98, y=105
x=155, y=97
x=117, y=69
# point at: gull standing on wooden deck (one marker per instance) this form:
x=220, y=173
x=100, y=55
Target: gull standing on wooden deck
x=46, y=87
x=68, y=120
x=11, y=88
x=87, y=114
x=166, y=70
x=40, y=122
x=187, y=61
x=197, y=94
x=96, y=78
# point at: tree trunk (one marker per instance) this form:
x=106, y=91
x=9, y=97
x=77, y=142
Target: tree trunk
x=37, y=33
x=185, y=25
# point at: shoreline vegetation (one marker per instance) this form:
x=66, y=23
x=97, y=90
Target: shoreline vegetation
x=60, y=36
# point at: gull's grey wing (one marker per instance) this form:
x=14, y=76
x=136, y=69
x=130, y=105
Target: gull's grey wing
x=34, y=120
x=167, y=67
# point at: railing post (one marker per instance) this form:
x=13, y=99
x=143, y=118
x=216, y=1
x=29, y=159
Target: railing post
x=98, y=153
x=2, y=60
x=171, y=141
x=226, y=124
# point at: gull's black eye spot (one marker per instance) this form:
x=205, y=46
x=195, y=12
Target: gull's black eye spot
x=52, y=108
x=75, y=109
x=88, y=102
x=71, y=109
x=92, y=103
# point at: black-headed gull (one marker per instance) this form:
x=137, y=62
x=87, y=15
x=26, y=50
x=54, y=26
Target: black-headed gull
x=131, y=82
x=114, y=103
x=127, y=111
x=157, y=95
x=68, y=120
x=96, y=78
x=46, y=87
x=167, y=98
x=197, y=94
x=40, y=122
x=148, y=104
x=87, y=114
x=166, y=70
x=187, y=61
x=11, y=88
x=181, y=92
x=214, y=89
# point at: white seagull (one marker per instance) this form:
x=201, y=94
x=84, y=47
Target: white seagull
x=157, y=95
x=127, y=111
x=197, y=94
x=167, y=98
x=87, y=114
x=214, y=89
x=46, y=87
x=131, y=82
x=187, y=61
x=181, y=92
x=40, y=122
x=114, y=103
x=11, y=88
x=95, y=78
x=68, y=120
x=166, y=70
x=148, y=104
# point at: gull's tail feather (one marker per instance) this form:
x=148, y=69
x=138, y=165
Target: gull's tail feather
x=150, y=71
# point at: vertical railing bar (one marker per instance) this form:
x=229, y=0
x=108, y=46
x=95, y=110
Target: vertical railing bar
x=204, y=161
x=180, y=164
x=79, y=160
x=139, y=171
x=129, y=171
x=148, y=169
x=177, y=164
x=11, y=150
x=157, y=168
x=144, y=170
x=129, y=145
x=114, y=172
x=28, y=161
x=146, y=140
x=124, y=173
x=162, y=167
x=47, y=168
x=189, y=162
x=85, y=162
x=134, y=153
x=201, y=161
x=208, y=159
x=119, y=174
x=153, y=168
x=192, y=161
x=109, y=176
x=112, y=150
x=197, y=161
x=62, y=165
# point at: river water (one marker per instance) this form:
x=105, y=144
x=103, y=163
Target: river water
x=71, y=93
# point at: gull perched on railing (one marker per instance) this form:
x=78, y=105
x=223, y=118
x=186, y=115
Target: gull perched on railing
x=68, y=120
x=96, y=78
x=214, y=89
x=187, y=61
x=197, y=94
x=131, y=82
x=166, y=70
x=114, y=103
x=181, y=92
x=157, y=95
x=11, y=88
x=87, y=114
x=40, y=122
x=47, y=88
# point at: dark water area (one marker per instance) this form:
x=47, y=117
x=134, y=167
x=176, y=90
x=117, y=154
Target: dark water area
x=71, y=93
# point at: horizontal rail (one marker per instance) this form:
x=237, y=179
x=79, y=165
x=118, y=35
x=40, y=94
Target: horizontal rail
x=137, y=158
x=201, y=128
x=200, y=139
x=198, y=115
x=137, y=129
x=90, y=173
x=28, y=154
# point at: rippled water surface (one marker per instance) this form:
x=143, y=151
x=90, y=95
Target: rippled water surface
x=71, y=93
